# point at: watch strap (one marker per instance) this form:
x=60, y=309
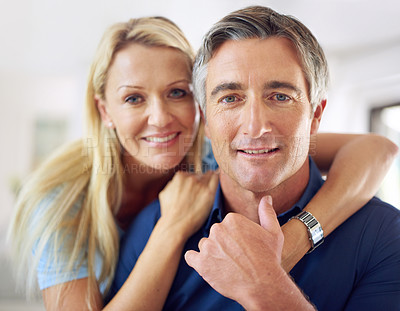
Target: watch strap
x=314, y=229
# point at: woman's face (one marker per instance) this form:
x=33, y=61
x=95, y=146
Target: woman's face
x=149, y=103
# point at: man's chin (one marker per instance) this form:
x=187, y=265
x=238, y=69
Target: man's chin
x=256, y=181
x=255, y=184
x=256, y=188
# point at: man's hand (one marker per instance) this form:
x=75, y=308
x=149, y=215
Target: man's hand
x=242, y=260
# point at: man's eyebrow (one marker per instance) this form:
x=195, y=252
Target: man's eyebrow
x=226, y=86
x=281, y=85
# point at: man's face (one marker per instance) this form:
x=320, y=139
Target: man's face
x=258, y=114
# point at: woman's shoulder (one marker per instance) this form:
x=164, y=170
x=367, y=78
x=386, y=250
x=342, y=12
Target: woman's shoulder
x=49, y=272
x=48, y=201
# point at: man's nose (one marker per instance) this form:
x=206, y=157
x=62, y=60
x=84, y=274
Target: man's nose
x=159, y=113
x=256, y=118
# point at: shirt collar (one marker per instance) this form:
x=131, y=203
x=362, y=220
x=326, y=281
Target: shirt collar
x=216, y=214
x=314, y=183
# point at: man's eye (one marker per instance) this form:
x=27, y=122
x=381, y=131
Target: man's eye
x=178, y=93
x=134, y=99
x=229, y=99
x=281, y=97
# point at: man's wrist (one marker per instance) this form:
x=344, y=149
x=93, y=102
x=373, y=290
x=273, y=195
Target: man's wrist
x=315, y=232
x=284, y=295
x=296, y=244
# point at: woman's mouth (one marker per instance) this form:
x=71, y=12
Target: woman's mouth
x=157, y=139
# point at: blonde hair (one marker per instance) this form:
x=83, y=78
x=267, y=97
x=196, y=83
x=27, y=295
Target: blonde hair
x=91, y=166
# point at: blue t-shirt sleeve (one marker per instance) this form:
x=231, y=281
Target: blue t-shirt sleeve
x=52, y=271
x=133, y=243
x=379, y=286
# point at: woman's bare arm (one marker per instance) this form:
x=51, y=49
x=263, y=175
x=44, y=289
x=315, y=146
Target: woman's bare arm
x=185, y=204
x=357, y=165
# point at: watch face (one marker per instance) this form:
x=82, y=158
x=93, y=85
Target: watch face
x=317, y=234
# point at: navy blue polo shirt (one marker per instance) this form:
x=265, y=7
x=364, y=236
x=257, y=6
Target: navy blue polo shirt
x=356, y=268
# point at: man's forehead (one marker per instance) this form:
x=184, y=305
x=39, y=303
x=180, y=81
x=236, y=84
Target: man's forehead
x=254, y=61
x=249, y=44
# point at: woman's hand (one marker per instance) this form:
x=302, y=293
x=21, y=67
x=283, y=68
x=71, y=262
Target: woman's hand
x=187, y=199
x=185, y=204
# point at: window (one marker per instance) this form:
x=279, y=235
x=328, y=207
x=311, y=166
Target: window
x=386, y=121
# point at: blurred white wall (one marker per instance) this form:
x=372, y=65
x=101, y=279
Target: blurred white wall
x=47, y=46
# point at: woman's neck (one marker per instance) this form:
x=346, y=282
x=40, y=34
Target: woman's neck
x=140, y=188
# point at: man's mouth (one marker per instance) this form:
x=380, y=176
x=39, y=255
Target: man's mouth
x=258, y=151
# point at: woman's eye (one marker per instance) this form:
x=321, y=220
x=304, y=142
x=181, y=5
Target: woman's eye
x=134, y=99
x=178, y=93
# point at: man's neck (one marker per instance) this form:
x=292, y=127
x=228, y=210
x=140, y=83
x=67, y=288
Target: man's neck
x=243, y=201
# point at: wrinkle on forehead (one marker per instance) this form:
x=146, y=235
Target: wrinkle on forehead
x=235, y=62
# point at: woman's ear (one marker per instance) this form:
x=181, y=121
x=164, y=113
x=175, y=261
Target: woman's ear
x=102, y=108
x=317, y=117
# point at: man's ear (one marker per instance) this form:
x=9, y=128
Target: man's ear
x=317, y=117
x=102, y=108
x=203, y=119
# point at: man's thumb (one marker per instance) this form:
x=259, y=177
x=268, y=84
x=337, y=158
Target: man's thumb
x=266, y=213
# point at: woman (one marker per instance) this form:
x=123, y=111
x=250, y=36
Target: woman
x=141, y=128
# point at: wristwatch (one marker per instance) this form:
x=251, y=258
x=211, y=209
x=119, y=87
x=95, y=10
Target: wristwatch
x=315, y=232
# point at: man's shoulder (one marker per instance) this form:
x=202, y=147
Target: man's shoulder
x=151, y=210
x=375, y=229
x=143, y=224
x=360, y=259
x=372, y=232
x=362, y=252
x=377, y=220
x=377, y=211
x=149, y=215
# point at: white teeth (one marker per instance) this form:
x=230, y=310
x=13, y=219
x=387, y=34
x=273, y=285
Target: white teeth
x=257, y=151
x=161, y=139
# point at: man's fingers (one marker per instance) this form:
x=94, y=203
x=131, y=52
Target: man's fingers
x=191, y=258
x=266, y=213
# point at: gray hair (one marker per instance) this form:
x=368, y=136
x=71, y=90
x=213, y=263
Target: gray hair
x=262, y=22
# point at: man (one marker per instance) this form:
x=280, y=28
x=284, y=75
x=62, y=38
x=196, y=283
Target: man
x=261, y=78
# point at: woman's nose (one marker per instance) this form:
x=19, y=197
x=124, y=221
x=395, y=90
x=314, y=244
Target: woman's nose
x=159, y=113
